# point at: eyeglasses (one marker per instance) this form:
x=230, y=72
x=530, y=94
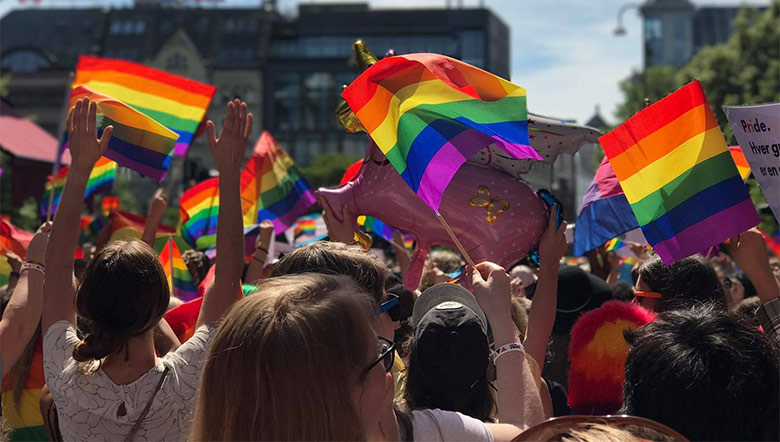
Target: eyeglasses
x=386, y=355
x=392, y=306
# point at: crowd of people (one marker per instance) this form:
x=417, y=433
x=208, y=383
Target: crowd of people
x=327, y=344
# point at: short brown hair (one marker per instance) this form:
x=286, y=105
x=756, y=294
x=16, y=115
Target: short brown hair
x=335, y=258
x=123, y=293
x=298, y=344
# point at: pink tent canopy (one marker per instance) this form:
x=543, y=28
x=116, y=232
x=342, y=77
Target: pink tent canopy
x=24, y=139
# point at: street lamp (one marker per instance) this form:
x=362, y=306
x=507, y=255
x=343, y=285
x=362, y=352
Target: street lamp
x=620, y=30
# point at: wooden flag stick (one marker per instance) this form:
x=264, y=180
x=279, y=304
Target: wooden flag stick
x=51, y=200
x=455, y=240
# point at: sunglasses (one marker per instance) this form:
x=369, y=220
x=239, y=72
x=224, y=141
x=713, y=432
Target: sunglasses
x=392, y=307
x=386, y=355
x=653, y=295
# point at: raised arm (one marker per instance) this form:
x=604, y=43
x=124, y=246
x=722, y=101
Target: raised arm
x=156, y=212
x=255, y=271
x=228, y=153
x=518, y=397
x=552, y=247
x=85, y=149
x=23, y=313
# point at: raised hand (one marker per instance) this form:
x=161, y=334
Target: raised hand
x=341, y=231
x=228, y=150
x=491, y=286
x=266, y=232
x=749, y=252
x=85, y=147
x=552, y=245
x=36, y=251
x=159, y=204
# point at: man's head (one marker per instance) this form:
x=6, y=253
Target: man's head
x=684, y=283
x=706, y=373
x=335, y=258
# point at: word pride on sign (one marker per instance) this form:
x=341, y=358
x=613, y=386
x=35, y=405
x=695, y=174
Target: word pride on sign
x=757, y=129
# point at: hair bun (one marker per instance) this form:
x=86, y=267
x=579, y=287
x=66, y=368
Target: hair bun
x=97, y=345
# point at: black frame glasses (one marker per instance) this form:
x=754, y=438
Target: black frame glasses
x=392, y=306
x=386, y=355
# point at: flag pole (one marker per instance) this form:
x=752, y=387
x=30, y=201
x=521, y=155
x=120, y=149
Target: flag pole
x=455, y=240
x=170, y=260
x=61, y=144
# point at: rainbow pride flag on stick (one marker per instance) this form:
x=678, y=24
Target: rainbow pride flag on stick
x=272, y=188
x=678, y=175
x=199, y=209
x=101, y=180
x=179, y=278
x=377, y=227
x=176, y=102
x=138, y=142
x=740, y=161
x=429, y=113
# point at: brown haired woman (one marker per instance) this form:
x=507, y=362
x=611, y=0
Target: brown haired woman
x=106, y=385
x=309, y=366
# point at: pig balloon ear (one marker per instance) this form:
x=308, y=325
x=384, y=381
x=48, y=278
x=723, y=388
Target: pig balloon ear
x=414, y=273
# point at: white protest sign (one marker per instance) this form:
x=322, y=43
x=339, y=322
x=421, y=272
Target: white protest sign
x=757, y=129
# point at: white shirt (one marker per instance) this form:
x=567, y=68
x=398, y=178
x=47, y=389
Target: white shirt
x=87, y=404
x=440, y=425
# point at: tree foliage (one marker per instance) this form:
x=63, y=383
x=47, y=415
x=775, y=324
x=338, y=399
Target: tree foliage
x=327, y=170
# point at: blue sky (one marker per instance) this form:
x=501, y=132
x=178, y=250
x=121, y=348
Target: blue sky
x=563, y=51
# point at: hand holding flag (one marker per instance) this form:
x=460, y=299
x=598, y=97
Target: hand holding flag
x=85, y=146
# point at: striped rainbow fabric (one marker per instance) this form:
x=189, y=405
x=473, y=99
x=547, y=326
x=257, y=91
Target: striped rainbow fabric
x=272, y=188
x=377, y=227
x=127, y=226
x=179, y=278
x=740, y=161
x=176, y=102
x=429, y=113
x=138, y=142
x=199, y=209
x=101, y=180
x=5, y=270
x=25, y=422
x=678, y=175
x=614, y=244
x=308, y=229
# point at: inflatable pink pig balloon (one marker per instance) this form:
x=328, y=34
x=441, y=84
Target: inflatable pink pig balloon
x=495, y=216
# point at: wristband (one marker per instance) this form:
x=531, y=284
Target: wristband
x=262, y=250
x=33, y=266
x=513, y=346
x=14, y=275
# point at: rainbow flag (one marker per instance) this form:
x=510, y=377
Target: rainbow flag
x=101, y=180
x=614, y=244
x=108, y=204
x=179, y=278
x=126, y=226
x=176, y=102
x=5, y=270
x=14, y=239
x=377, y=227
x=23, y=419
x=97, y=224
x=678, y=175
x=604, y=212
x=272, y=188
x=429, y=113
x=199, y=209
x=308, y=229
x=740, y=161
x=138, y=142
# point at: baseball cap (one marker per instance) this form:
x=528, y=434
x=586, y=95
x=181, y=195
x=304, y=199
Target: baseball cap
x=450, y=350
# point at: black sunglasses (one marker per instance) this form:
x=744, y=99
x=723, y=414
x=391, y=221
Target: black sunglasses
x=392, y=306
x=386, y=355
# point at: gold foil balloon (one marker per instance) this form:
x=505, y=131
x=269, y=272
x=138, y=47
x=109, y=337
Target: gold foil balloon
x=344, y=114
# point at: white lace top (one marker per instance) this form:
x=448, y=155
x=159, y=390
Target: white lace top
x=87, y=405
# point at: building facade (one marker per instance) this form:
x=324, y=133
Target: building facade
x=675, y=30
x=290, y=70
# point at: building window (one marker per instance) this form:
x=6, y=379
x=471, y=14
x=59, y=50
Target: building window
x=116, y=27
x=316, y=106
x=653, y=39
x=140, y=27
x=24, y=61
x=177, y=61
x=472, y=47
x=286, y=92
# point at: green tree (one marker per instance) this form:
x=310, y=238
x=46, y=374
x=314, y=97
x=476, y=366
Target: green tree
x=654, y=83
x=327, y=170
